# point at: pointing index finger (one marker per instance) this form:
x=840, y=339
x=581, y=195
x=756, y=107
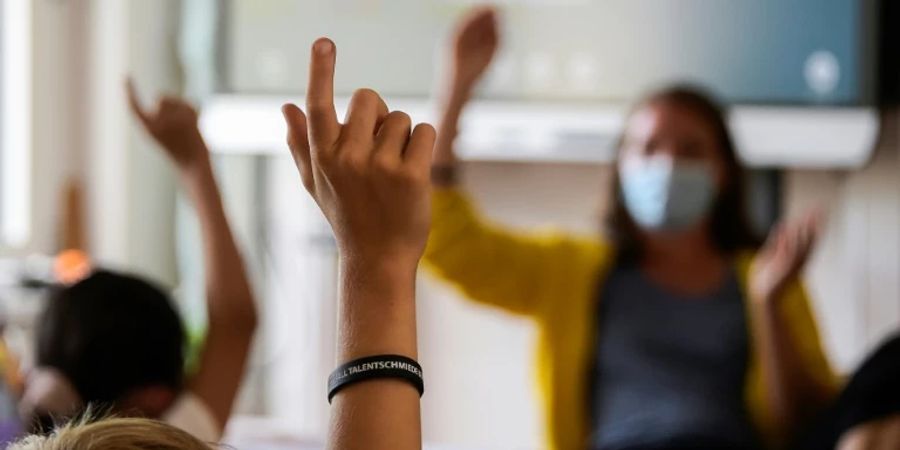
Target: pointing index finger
x=323, y=125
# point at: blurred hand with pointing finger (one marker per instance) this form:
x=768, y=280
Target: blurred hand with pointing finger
x=230, y=307
x=173, y=123
x=474, y=44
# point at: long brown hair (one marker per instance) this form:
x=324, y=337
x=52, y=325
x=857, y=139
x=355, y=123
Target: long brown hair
x=729, y=224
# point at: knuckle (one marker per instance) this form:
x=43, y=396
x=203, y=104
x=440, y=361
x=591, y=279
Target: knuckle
x=309, y=185
x=383, y=163
x=398, y=121
x=170, y=104
x=352, y=162
x=416, y=176
x=426, y=129
x=353, y=143
x=323, y=159
x=400, y=175
x=316, y=108
x=365, y=96
x=400, y=118
x=291, y=141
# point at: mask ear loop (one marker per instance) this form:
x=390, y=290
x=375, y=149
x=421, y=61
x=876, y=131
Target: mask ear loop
x=49, y=392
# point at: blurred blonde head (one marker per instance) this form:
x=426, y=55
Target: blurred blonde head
x=113, y=433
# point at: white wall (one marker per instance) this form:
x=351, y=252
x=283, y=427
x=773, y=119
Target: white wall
x=82, y=49
x=855, y=274
x=131, y=191
x=56, y=134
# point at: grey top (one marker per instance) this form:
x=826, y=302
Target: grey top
x=670, y=369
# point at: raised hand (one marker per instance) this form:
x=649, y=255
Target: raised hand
x=472, y=47
x=370, y=175
x=230, y=308
x=173, y=124
x=474, y=44
x=783, y=256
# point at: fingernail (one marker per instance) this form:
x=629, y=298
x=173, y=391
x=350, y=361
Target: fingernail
x=322, y=46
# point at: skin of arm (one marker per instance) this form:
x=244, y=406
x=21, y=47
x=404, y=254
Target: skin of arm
x=370, y=178
x=231, y=310
x=793, y=391
x=473, y=46
x=883, y=434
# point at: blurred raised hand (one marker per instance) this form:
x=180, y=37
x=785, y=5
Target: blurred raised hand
x=173, y=123
x=784, y=256
x=474, y=44
x=230, y=307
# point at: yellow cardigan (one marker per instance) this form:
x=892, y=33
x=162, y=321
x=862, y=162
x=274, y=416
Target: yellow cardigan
x=554, y=280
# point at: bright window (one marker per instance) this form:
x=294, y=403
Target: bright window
x=15, y=122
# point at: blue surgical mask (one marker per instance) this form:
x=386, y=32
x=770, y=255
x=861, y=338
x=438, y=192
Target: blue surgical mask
x=663, y=194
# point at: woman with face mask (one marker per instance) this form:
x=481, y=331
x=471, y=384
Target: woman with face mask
x=676, y=328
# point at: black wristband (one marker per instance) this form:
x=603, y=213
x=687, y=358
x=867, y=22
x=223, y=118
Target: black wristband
x=375, y=367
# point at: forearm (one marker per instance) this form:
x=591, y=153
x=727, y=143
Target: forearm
x=376, y=316
x=453, y=101
x=231, y=313
x=229, y=298
x=788, y=388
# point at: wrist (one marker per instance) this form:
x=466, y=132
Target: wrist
x=194, y=170
x=763, y=305
x=189, y=153
x=199, y=183
x=458, y=90
x=377, y=309
x=387, y=273
x=767, y=295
